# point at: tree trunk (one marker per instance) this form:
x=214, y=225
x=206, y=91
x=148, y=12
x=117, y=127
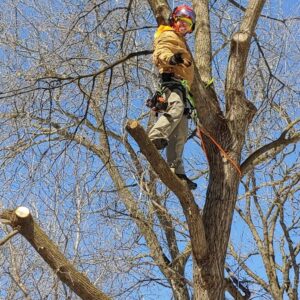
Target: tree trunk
x=222, y=190
x=180, y=291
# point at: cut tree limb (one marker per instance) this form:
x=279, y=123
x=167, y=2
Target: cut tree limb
x=22, y=220
x=185, y=196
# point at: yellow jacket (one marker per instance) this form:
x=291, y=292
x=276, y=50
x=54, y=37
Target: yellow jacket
x=166, y=43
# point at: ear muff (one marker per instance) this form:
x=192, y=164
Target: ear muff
x=172, y=17
x=171, y=20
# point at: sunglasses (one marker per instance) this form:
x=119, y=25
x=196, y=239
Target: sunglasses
x=187, y=21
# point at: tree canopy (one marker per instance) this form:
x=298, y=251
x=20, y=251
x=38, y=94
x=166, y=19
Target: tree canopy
x=105, y=212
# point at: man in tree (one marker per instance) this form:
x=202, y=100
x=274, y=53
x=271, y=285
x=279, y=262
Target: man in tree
x=176, y=69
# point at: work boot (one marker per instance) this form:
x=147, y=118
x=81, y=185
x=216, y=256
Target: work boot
x=160, y=143
x=192, y=185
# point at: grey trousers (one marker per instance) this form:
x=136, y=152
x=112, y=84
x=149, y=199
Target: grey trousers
x=173, y=127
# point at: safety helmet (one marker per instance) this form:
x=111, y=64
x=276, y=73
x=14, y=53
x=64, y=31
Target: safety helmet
x=183, y=11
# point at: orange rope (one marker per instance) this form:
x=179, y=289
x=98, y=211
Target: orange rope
x=202, y=141
x=223, y=152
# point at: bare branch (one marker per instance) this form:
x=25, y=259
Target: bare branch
x=232, y=289
x=268, y=151
x=103, y=70
x=8, y=237
x=241, y=7
x=247, y=269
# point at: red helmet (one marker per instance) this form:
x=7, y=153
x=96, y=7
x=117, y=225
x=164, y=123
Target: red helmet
x=183, y=11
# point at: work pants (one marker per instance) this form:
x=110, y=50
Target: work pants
x=173, y=127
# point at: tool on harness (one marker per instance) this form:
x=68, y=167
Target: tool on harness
x=157, y=103
x=168, y=83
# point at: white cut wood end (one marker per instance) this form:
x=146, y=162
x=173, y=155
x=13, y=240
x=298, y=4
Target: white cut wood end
x=22, y=212
x=132, y=124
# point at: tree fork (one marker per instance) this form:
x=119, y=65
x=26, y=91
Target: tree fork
x=21, y=220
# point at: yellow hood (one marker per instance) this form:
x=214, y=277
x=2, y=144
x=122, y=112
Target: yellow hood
x=161, y=29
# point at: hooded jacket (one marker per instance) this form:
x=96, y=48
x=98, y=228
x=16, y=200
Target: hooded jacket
x=167, y=43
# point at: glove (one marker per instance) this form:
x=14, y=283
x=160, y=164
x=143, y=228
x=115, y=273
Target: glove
x=176, y=59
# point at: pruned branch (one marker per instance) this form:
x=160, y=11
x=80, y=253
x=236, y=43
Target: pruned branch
x=21, y=218
x=237, y=106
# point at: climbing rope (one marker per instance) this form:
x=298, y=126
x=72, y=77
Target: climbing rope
x=200, y=132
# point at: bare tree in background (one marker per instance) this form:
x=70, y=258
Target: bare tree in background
x=72, y=74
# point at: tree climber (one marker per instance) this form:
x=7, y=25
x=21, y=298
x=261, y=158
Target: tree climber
x=176, y=70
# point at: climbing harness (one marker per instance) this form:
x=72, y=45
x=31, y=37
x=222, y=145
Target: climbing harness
x=158, y=103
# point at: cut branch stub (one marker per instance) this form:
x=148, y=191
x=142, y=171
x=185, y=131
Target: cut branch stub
x=185, y=196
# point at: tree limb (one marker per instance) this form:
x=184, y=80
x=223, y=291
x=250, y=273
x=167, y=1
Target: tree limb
x=104, y=69
x=203, y=56
x=232, y=289
x=233, y=284
x=190, y=208
x=21, y=218
x=267, y=151
x=241, y=7
x=238, y=108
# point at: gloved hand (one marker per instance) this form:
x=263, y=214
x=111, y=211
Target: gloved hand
x=176, y=59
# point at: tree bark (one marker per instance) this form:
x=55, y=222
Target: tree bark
x=161, y=10
x=21, y=220
x=203, y=50
x=224, y=180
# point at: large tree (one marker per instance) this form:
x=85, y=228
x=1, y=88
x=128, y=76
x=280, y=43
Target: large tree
x=74, y=79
